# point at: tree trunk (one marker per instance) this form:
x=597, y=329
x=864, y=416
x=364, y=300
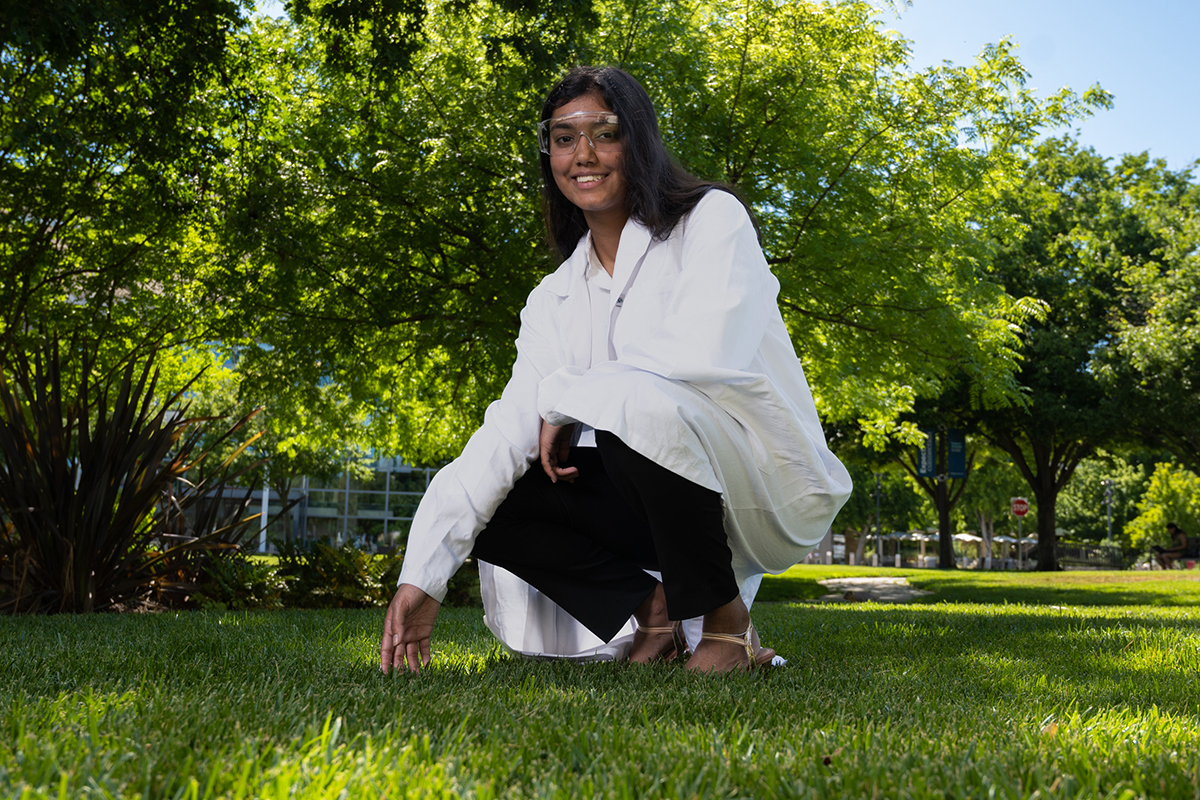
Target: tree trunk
x=1047, y=545
x=283, y=490
x=861, y=544
x=945, y=537
x=987, y=527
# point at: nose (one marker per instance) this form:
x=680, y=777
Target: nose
x=584, y=154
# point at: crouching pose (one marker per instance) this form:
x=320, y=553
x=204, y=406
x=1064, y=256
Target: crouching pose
x=657, y=448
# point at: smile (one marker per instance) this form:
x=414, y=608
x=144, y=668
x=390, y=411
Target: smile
x=588, y=178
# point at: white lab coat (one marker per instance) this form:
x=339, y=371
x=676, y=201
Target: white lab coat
x=702, y=379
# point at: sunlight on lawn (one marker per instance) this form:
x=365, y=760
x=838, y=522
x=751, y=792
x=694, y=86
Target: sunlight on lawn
x=923, y=700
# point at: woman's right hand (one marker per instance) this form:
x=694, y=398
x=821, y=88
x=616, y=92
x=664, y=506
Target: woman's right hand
x=406, y=629
x=554, y=443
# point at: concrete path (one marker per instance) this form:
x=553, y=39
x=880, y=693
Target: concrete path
x=878, y=590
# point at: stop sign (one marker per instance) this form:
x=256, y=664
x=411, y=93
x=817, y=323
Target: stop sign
x=1020, y=506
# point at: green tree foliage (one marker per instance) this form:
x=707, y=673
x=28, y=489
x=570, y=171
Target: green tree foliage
x=347, y=202
x=1159, y=335
x=383, y=233
x=899, y=507
x=107, y=143
x=1081, y=509
x=986, y=501
x=1079, y=235
x=1172, y=496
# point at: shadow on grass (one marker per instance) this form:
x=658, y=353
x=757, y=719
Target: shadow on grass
x=952, y=588
x=1000, y=588
x=1086, y=657
x=784, y=588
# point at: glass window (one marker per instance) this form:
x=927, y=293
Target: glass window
x=375, y=482
x=408, y=482
x=326, y=499
x=322, y=528
x=336, y=482
x=366, y=502
x=404, y=505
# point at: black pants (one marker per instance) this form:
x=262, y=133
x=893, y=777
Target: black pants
x=586, y=544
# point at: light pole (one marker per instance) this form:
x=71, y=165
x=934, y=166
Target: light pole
x=878, y=534
x=1108, y=504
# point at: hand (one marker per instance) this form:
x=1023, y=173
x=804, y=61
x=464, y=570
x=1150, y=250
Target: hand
x=554, y=442
x=406, y=629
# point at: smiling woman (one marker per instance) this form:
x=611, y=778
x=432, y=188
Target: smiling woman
x=587, y=168
x=679, y=447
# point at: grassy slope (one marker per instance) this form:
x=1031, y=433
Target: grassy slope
x=942, y=700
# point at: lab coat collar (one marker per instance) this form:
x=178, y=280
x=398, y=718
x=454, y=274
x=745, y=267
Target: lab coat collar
x=569, y=277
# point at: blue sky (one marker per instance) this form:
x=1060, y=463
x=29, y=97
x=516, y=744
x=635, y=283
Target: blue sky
x=1147, y=54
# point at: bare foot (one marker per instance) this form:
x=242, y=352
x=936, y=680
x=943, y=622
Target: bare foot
x=652, y=646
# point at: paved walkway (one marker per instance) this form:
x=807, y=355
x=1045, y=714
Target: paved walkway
x=879, y=590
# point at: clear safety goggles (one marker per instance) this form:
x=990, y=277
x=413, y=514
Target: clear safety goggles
x=559, y=136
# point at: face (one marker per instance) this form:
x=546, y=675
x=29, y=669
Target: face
x=590, y=178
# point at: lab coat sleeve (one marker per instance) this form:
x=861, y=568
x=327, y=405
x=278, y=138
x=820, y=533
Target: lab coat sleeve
x=721, y=304
x=464, y=495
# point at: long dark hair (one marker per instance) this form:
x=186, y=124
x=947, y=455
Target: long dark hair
x=660, y=192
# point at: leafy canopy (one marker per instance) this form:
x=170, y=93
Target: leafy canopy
x=381, y=233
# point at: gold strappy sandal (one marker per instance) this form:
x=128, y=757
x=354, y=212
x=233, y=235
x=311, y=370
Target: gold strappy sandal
x=762, y=658
x=677, y=638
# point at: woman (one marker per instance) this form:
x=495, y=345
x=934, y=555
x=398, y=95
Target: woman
x=680, y=456
x=1166, y=556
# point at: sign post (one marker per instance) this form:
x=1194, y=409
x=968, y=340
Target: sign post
x=1020, y=507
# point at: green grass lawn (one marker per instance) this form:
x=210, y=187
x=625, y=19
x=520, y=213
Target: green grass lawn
x=1094, y=691
x=1084, y=588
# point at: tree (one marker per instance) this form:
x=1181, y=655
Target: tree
x=346, y=204
x=1158, y=337
x=382, y=234
x=106, y=148
x=1081, y=508
x=1078, y=235
x=987, y=498
x=943, y=491
x=1172, y=496
x=898, y=506
x=320, y=442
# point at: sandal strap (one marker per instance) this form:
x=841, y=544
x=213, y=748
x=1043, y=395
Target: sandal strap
x=742, y=640
x=655, y=629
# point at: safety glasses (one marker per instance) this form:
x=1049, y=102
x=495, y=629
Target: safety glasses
x=560, y=136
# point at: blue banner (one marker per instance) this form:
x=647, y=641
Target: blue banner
x=957, y=462
x=927, y=456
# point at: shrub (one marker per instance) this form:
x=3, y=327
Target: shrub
x=462, y=591
x=239, y=582
x=1173, y=496
x=320, y=575
x=94, y=490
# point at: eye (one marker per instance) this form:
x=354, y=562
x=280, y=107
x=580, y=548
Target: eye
x=564, y=139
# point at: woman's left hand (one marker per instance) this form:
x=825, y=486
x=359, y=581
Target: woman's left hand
x=554, y=442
